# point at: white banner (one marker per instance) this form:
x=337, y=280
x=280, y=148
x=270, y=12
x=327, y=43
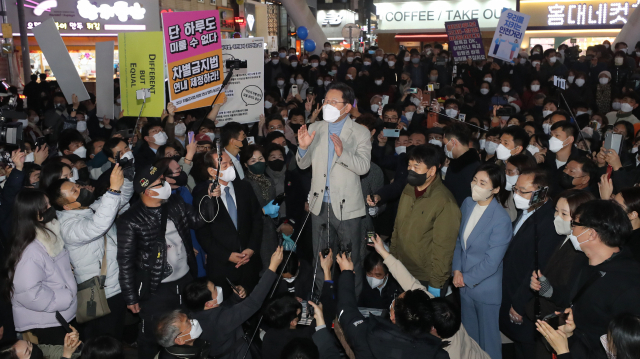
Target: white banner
x=245, y=92
x=59, y=59
x=509, y=33
x=104, y=80
x=430, y=16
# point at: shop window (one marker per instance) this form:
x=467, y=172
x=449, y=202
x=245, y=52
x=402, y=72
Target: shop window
x=546, y=43
x=212, y=2
x=200, y=0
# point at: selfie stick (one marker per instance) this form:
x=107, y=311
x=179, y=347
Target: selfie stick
x=144, y=100
x=216, y=182
x=457, y=119
x=273, y=291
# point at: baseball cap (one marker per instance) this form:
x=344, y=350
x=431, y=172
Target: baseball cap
x=146, y=176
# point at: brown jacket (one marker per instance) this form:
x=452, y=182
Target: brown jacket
x=425, y=233
x=461, y=346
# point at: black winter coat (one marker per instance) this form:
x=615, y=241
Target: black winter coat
x=460, y=174
x=142, y=248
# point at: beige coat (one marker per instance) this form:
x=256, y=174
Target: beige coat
x=462, y=346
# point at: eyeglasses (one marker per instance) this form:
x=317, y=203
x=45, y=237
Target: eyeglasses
x=332, y=102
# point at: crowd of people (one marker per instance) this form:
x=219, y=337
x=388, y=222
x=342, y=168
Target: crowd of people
x=386, y=205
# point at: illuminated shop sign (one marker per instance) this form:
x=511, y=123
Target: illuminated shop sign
x=612, y=14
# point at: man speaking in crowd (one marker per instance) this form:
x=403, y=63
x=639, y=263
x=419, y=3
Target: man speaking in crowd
x=340, y=152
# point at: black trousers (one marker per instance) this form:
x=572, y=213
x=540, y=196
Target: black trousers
x=53, y=335
x=167, y=297
x=111, y=324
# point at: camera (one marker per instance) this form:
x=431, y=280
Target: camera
x=315, y=298
x=572, y=53
x=345, y=249
x=236, y=64
x=10, y=126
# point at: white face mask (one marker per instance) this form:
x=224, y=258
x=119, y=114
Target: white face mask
x=180, y=129
x=228, y=175
x=330, y=113
x=506, y=89
x=375, y=282
x=491, y=147
x=292, y=81
x=480, y=194
x=327, y=48
x=81, y=126
x=503, y=153
x=482, y=143
x=533, y=149
x=535, y=88
x=267, y=104
x=80, y=152
x=299, y=81
x=391, y=63
x=535, y=63
x=443, y=170
x=211, y=135
x=2, y=178
x=378, y=82
x=305, y=61
x=523, y=61
x=128, y=155
x=510, y=182
x=294, y=64
x=408, y=115
x=322, y=63
x=336, y=58
x=75, y=175
x=618, y=61
x=433, y=78
x=604, y=80
x=562, y=227
x=615, y=105
x=327, y=83
x=280, y=83
x=580, y=82
x=160, y=138
x=449, y=152
x=219, y=298
x=401, y=149
x=196, y=330
x=488, y=79
x=484, y=91
x=451, y=112
x=521, y=202
x=314, y=64
x=163, y=192
x=555, y=144
x=407, y=58
x=350, y=59
x=553, y=60
x=30, y=157
x=574, y=240
x=625, y=107
x=275, y=61
x=118, y=101
x=367, y=63
x=379, y=58
x=571, y=78
x=320, y=82
x=375, y=107
x=36, y=119
x=435, y=142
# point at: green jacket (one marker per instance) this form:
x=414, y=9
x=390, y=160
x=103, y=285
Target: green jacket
x=55, y=351
x=425, y=232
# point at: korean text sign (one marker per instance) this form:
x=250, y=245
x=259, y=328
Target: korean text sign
x=508, y=36
x=245, y=92
x=465, y=40
x=194, y=57
x=141, y=67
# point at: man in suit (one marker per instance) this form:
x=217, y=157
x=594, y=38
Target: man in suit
x=464, y=160
x=232, y=239
x=233, y=139
x=519, y=261
x=340, y=151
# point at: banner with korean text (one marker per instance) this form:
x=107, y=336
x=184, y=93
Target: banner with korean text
x=508, y=36
x=465, y=40
x=141, y=67
x=194, y=57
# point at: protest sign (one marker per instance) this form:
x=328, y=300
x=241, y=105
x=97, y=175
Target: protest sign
x=141, y=67
x=245, y=92
x=509, y=33
x=192, y=44
x=465, y=40
x=59, y=60
x=104, y=79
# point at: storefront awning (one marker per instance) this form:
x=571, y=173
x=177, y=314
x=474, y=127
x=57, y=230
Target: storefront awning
x=421, y=37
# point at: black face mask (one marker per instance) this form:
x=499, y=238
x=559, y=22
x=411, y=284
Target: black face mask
x=85, y=198
x=390, y=125
x=245, y=143
x=181, y=179
x=416, y=179
x=49, y=215
x=566, y=181
x=36, y=352
x=177, y=158
x=83, y=175
x=295, y=127
x=60, y=107
x=276, y=165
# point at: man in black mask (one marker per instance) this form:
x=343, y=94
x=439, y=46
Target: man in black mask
x=427, y=221
x=87, y=227
x=577, y=174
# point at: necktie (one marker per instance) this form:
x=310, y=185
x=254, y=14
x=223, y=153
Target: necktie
x=231, y=207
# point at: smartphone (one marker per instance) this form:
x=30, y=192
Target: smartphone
x=251, y=140
x=609, y=171
x=41, y=141
x=555, y=320
x=391, y=132
x=426, y=97
x=279, y=198
x=235, y=289
x=385, y=100
x=191, y=136
x=412, y=90
x=63, y=322
x=430, y=88
x=294, y=90
x=462, y=117
x=436, y=86
x=538, y=196
x=613, y=141
x=370, y=236
x=117, y=157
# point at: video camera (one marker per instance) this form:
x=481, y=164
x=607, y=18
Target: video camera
x=11, y=130
x=572, y=53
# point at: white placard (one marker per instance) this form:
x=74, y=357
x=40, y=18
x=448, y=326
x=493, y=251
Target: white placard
x=59, y=60
x=508, y=36
x=104, y=79
x=407, y=17
x=245, y=92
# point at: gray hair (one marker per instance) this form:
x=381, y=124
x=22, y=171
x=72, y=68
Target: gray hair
x=167, y=330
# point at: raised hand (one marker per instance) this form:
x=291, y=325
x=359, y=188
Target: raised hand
x=304, y=138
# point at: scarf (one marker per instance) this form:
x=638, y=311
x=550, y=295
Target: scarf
x=263, y=182
x=51, y=240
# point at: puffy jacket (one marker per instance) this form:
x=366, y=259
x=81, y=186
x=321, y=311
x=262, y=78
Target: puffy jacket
x=43, y=283
x=142, y=248
x=82, y=231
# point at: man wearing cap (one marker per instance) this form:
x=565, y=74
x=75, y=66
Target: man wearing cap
x=155, y=252
x=203, y=143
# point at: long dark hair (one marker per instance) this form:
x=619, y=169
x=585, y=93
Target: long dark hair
x=624, y=336
x=7, y=351
x=102, y=347
x=497, y=177
x=27, y=207
x=51, y=172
